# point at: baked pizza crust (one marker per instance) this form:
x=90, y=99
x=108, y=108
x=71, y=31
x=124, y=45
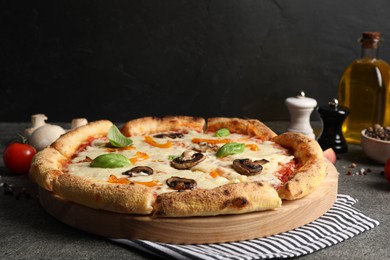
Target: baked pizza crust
x=68, y=143
x=251, y=127
x=312, y=168
x=227, y=199
x=46, y=171
x=151, y=125
x=46, y=166
x=131, y=198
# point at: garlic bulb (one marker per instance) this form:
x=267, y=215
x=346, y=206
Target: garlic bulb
x=45, y=135
x=37, y=121
x=77, y=122
x=41, y=135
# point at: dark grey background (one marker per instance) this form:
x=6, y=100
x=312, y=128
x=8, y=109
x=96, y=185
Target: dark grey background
x=125, y=59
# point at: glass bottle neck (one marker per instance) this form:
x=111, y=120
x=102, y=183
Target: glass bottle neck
x=369, y=53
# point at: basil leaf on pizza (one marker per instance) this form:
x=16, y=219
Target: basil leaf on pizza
x=222, y=132
x=230, y=149
x=173, y=157
x=117, y=139
x=111, y=160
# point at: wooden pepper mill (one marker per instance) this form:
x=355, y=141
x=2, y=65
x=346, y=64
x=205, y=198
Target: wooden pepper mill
x=333, y=116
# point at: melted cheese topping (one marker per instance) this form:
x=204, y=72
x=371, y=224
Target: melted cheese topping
x=210, y=173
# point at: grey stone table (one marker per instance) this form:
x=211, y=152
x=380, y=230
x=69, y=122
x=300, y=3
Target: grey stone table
x=28, y=232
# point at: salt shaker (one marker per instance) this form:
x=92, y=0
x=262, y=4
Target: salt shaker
x=300, y=108
x=333, y=116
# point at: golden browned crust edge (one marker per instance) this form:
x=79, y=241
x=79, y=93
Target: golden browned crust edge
x=312, y=170
x=150, y=125
x=121, y=198
x=235, y=198
x=251, y=127
x=46, y=166
x=68, y=143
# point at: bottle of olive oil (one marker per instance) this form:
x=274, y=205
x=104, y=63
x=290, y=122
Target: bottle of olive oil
x=364, y=88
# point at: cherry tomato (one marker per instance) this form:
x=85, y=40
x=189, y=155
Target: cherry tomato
x=17, y=157
x=387, y=169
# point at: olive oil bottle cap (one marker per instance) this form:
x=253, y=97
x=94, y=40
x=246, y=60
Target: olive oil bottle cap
x=370, y=39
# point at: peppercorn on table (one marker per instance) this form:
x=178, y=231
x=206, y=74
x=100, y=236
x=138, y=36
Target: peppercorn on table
x=28, y=231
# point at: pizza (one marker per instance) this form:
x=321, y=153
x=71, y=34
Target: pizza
x=180, y=166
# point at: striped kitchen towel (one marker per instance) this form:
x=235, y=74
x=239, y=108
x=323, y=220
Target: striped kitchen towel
x=339, y=223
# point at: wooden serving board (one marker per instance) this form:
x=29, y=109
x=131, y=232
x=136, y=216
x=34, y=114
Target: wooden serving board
x=196, y=230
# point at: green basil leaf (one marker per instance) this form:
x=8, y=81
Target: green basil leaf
x=173, y=157
x=229, y=149
x=117, y=139
x=110, y=160
x=222, y=132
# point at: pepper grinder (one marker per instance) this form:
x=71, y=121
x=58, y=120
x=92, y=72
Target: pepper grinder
x=300, y=108
x=332, y=117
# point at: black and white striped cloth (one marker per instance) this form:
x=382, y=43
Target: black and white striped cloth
x=341, y=222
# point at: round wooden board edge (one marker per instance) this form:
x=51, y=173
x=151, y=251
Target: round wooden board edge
x=196, y=230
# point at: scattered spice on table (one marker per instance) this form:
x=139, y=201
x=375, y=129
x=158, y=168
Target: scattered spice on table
x=16, y=192
x=351, y=171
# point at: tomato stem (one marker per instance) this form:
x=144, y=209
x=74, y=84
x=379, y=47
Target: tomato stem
x=22, y=139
